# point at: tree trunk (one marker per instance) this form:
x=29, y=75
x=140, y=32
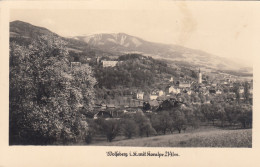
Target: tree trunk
x=164, y=131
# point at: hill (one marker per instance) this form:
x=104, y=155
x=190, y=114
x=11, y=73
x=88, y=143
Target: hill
x=141, y=72
x=179, y=61
x=24, y=33
x=212, y=138
x=121, y=43
x=134, y=69
x=114, y=45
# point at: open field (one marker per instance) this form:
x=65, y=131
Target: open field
x=212, y=138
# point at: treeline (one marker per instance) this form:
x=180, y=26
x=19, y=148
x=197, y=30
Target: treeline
x=219, y=114
x=173, y=116
x=129, y=125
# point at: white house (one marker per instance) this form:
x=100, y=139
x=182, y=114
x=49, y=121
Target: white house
x=241, y=89
x=109, y=63
x=251, y=90
x=75, y=64
x=172, y=89
x=140, y=95
x=161, y=93
x=184, y=85
x=218, y=92
x=153, y=96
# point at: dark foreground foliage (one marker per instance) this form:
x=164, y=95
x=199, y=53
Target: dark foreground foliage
x=46, y=94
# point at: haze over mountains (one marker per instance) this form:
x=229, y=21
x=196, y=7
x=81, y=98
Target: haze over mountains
x=124, y=43
x=116, y=44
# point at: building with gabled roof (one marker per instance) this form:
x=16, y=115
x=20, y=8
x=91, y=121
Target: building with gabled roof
x=172, y=89
x=140, y=95
x=106, y=63
x=184, y=84
x=241, y=89
x=153, y=96
x=75, y=64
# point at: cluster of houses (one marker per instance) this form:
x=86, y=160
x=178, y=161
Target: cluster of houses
x=136, y=100
x=189, y=87
x=177, y=87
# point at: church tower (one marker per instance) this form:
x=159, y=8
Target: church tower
x=200, y=77
x=171, y=80
x=98, y=60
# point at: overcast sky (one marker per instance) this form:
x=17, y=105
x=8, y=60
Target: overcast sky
x=223, y=30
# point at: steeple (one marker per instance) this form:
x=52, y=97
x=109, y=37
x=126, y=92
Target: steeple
x=200, y=77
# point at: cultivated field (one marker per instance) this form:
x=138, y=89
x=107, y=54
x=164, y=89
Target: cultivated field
x=212, y=138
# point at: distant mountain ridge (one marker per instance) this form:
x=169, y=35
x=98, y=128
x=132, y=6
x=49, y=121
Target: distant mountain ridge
x=124, y=43
x=116, y=44
x=120, y=39
x=23, y=33
x=27, y=30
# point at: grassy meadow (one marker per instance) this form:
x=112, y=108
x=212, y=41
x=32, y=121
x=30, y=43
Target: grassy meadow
x=209, y=138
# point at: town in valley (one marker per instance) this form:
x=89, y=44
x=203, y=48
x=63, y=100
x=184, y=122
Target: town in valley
x=120, y=90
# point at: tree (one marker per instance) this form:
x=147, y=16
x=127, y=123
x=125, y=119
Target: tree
x=232, y=113
x=92, y=130
x=110, y=128
x=179, y=120
x=245, y=116
x=194, y=74
x=129, y=128
x=146, y=106
x=162, y=122
x=192, y=116
x=46, y=95
x=202, y=98
x=221, y=114
x=236, y=90
x=246, y=93
x=209, y=112
x=169, y=105
x=144, y=125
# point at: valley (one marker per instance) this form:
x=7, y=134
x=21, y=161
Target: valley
x=121, y=86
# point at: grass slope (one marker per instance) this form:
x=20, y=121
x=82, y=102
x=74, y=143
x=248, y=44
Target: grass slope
x=213, y=138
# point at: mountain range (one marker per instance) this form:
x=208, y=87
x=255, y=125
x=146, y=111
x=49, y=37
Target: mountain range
x=116, y=44
x=24, y=33
x=124, y=43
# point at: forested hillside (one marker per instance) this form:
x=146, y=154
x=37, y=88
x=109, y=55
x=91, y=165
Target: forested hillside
x=24, y=33
x=135, y=70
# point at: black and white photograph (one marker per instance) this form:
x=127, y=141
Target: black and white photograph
x=140, y=75
x=128, y=78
